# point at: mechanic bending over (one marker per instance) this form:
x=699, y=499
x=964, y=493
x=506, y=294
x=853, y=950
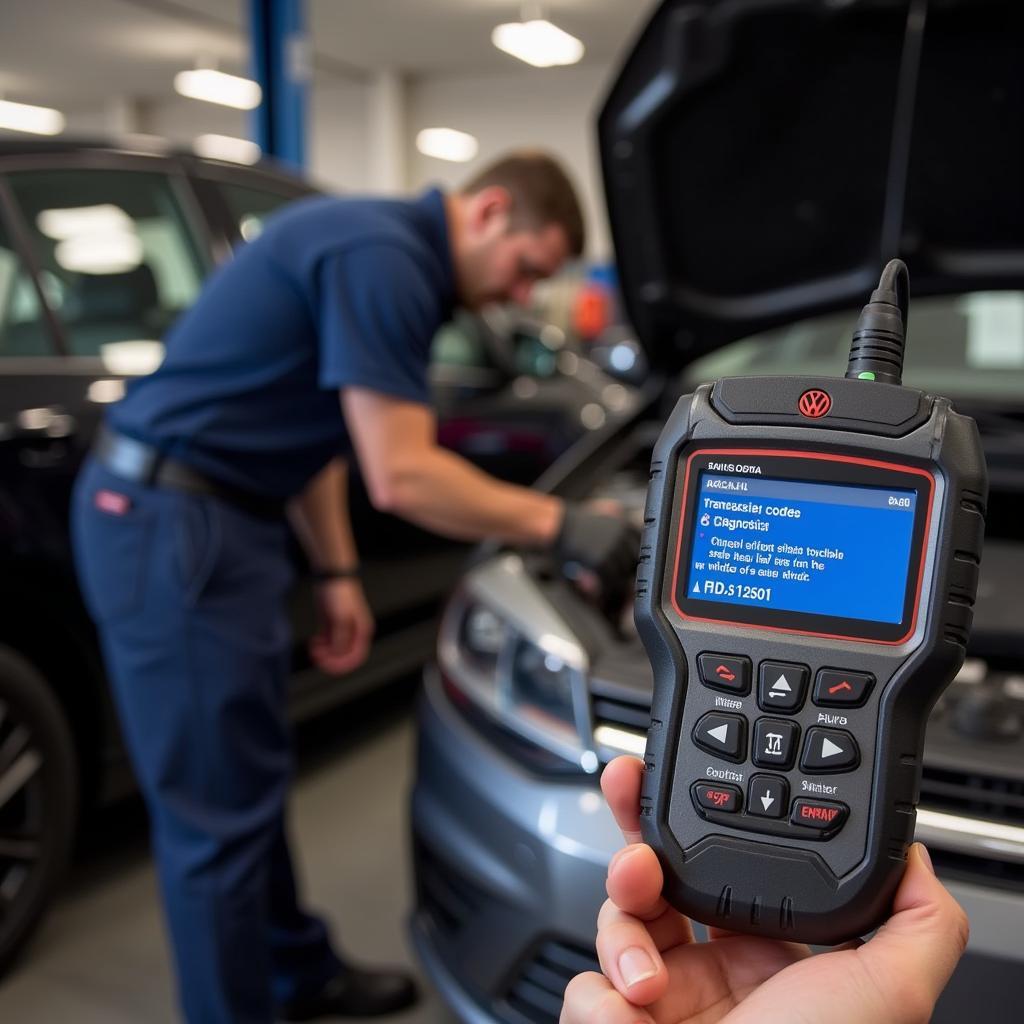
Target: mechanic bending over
x=181, y=545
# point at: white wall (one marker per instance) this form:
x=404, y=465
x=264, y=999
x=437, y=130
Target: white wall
x=554, y=109
x=181, y=120
x=336, y=133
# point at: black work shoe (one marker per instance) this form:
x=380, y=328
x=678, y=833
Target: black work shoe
x=355, y=993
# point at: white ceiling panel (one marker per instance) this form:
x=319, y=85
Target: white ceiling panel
x=86, y=51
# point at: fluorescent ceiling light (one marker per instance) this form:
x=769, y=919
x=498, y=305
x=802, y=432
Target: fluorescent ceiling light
x=23, y=117
x=69, y=221
x=447, y=144
x=537, y=42
x=227, y=147
x=218, y=87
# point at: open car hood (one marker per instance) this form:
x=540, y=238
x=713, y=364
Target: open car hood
x=763, y=159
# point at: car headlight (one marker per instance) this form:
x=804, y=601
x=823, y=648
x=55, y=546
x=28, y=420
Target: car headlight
x=503, y=647
x=541, y=690
x=483, y=635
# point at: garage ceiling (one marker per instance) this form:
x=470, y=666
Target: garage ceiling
x=81, y=54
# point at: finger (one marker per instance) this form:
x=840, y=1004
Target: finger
x=635, y=882
x=915, y=951
x=591, y=999
x=621, y=786
x=342, y=634
x=630, y=959
x=635, y=925
x=366, y=627
x=337, y=662
x=323, y=656
x=329, y=658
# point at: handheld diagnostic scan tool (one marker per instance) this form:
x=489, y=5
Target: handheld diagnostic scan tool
x=806, y=580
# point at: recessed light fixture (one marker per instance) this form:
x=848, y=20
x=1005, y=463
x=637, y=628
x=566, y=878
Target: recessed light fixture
x=447, y=144
x=538, y=42
x=218, y=87
x=23, y=117
x=227, y=147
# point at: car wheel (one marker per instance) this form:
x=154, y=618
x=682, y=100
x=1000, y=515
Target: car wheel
x=38, y=800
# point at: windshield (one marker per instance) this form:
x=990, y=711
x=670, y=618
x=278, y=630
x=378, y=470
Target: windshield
x=963, y=346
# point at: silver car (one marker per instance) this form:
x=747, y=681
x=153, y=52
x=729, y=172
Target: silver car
x=761, y=160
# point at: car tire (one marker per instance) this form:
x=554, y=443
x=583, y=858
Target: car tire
x=38, y=800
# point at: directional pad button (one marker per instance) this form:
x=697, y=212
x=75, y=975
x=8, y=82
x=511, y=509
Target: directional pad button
x=829, y=750
x=767, y=796
x=722, y=735
x=781, y=686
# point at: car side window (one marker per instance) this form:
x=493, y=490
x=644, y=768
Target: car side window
x=117, y=262
x=250, y=207
x=23, y=328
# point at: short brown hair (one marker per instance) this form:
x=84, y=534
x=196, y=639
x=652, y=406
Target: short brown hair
x=541, y=192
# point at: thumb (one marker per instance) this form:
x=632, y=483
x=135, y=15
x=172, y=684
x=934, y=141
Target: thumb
x=916, y=950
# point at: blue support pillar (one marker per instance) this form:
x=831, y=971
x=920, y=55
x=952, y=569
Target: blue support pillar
x=281, y=64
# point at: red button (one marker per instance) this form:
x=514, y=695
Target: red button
x=822, y=815
x=718, y=798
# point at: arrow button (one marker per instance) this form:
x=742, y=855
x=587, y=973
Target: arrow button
x=834, y=688
x=781, y=685
x=727, y=672
x=767, y=796
x=829, y=750
x=722, y=735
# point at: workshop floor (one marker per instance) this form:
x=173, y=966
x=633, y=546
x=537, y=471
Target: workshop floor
x=101, y=958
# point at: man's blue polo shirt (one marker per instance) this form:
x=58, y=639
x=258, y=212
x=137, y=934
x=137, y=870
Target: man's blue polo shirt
x=335, y=292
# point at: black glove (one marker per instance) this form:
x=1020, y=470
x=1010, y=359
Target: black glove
x=605, y=545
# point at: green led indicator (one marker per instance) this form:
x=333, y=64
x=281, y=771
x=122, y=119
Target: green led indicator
x=866, y=375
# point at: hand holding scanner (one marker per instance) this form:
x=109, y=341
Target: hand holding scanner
x=805, y=590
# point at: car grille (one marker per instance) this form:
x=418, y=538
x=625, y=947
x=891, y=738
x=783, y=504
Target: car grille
x=970, y=796
x=621, y=713
x=538, y=988
x=620, y=721
x=974, y=795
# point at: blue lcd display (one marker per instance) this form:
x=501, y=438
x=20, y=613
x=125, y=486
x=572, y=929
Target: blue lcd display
x=820, y=548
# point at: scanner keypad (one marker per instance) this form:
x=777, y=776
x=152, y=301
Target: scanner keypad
x=779, y=744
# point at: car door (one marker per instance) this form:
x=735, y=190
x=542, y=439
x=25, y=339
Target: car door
x=109, y=250
x=118, y=252
x=35, y=431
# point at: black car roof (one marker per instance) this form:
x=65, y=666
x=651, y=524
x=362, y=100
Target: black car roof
x=134, y=146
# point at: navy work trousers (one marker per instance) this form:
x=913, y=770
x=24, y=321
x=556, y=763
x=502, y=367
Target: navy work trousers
x=188, y=594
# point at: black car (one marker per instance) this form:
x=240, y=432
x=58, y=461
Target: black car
x=762, y=160
x=101, y=248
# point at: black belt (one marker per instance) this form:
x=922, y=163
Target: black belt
x=142, y=463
